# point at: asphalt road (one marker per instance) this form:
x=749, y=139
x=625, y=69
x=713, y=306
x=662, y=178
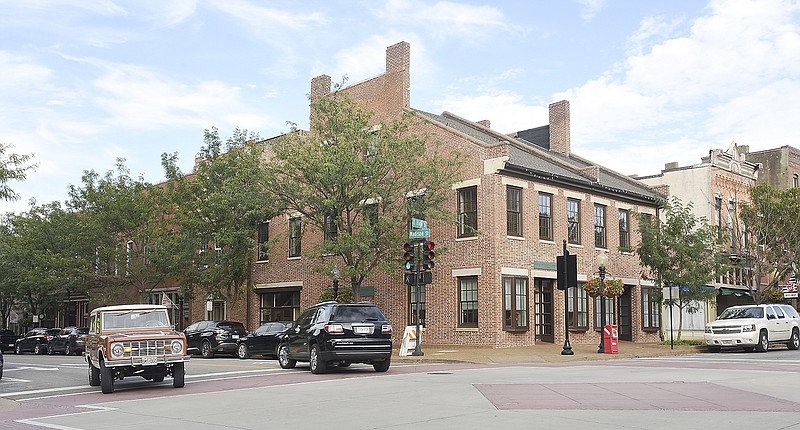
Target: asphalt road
x=709, y=390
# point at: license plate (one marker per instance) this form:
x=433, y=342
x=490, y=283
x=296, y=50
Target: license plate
x=149, y=361
x=361, y=330
x=236, y=336
x=727, y=342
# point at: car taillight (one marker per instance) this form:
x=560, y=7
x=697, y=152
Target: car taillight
x=334, y=328
x=48, y=337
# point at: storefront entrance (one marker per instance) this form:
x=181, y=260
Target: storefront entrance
x=543, y=295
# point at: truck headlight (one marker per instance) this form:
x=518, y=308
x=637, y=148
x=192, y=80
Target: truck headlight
x=748, y=328
x=177, y=347
x=117, y=350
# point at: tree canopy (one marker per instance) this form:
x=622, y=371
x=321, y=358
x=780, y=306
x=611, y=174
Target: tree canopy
x=358, y=180
x=13, y=167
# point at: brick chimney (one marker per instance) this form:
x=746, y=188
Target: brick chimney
x=320, y=87
x=559, y=127
x=398, y=61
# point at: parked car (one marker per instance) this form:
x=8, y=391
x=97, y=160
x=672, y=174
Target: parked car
x=332, y=333
x=133, y=340
x=70, y=340
x=754, y=327
x=214, y=337
x=263, y=341
x=36, y=340
x=7, y=340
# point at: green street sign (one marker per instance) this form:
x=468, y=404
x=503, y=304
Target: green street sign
x=418, y=223
x=420, y=233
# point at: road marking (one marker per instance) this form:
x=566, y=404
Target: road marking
x=31, y=368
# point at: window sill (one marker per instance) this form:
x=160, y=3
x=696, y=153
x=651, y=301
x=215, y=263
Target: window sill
x=548, y=241
x=574, y=245
x=461, y=239
x=515, y=237
x=651, y=330
x=295, y=258
x=515, y=330
x=578, y=329
x=262, y=261
x=467, y=329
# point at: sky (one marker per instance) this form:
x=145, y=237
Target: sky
x=85, y=82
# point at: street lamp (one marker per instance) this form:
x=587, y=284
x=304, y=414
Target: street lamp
x=602, y=262
x=335, y=274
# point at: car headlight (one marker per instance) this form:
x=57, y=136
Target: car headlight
x=117, y=350
x=748, y=328
x=177, y=346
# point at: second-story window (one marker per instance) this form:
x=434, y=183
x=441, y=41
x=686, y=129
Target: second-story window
x=295, y=236
x=263, y=239
x=600, y=226
x=331, y=230
x=624, y=233
x=574, y=221
x=514, y=211
x=545, y=216
x=467, y=211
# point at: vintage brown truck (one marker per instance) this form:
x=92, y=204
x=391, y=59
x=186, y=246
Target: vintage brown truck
x=134, y=340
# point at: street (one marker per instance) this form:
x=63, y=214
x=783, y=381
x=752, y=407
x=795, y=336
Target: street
x=722, y=390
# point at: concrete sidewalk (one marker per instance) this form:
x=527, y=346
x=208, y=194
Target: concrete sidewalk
x=539, y=353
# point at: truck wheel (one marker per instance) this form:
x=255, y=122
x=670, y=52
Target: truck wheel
x=316, y=363
x=94, y=376
x=283, y=358
x=205, y=350
x=794, y=341
x=178, y=374
x=763, y=342
x=106, y=378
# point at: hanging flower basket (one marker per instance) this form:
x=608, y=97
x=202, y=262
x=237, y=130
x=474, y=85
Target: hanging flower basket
x=613, y=287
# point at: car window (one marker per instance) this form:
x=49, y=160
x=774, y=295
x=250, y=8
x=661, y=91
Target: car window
x=305, y=318
x=770, y=313
x=357, y=314
x=790, y=311
x=234, y=327
x=202, y=325
x=779, y=312
x=263, y=329
x=82, y=330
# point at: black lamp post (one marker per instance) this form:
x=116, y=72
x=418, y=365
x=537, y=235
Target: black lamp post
x=335, y=274
x=602, y=261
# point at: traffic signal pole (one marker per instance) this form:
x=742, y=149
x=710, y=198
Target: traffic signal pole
x=417, y=244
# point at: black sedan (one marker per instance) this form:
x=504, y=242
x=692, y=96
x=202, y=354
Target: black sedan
x=70, y=340
x=263, y=341
x=36, y=340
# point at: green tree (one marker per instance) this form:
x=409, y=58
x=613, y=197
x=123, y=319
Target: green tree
x=770, y=244
x=133, y=239
x=216, y=211
x=358, y=180
x=680, y=252
x=13, y=167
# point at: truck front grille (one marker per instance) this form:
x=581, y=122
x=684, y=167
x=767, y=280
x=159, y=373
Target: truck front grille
x=146, y=348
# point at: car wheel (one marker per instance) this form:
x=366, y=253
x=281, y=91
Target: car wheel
x=50, y=350
x=205, y=350
x=381, y=366
x=794, y=341
x=242, y=351
x=178, y=375
x=38, y=349
x=283, y=358
x=94, y=376
x=315, y=362
x=106, y=378
x=763, y=342
x=158, y=378
x=344, y=364
x=18, y=350
x=713, y=349
x=67, y=349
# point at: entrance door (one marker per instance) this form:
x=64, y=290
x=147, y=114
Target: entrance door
x=543, y=294
x=625, y=321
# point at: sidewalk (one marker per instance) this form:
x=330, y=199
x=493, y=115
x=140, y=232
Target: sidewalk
x=539, y=353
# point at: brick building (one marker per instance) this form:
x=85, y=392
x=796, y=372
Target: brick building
x=525, y=193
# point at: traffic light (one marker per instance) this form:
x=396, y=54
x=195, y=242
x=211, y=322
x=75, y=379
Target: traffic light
x=408, y=256
x=428, y=255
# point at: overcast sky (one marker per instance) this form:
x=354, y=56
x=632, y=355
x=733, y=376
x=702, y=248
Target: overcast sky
x=85, y=82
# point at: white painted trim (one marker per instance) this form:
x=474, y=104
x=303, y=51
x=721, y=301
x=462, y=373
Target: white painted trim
x=544, y=274
x=601, y=201
x=492, y=165
x=466, y=272
x=287, y=284
x=513, y=182
x=545, y=189
x=649, y=211
x=467, y=183
x=574, y=195
x=515, y=237
x=514, y=271
x=624, y=206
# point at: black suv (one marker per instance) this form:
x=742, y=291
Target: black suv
x=332, y=333
x=213, y=337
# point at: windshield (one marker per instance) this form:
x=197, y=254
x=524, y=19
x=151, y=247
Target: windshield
x=135, y=319
x=736, y=313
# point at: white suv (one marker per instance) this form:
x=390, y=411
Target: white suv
x=754, y=327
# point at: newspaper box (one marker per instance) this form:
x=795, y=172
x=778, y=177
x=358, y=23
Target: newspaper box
x=610, y=339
